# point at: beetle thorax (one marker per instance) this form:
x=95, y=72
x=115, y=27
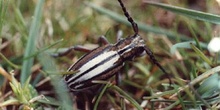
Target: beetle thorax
x=131, y=47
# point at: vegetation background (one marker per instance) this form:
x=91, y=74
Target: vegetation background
x=178, y=32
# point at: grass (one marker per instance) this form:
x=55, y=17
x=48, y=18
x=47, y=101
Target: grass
x=176, y=32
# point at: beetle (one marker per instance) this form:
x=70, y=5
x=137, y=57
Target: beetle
x=105, y=61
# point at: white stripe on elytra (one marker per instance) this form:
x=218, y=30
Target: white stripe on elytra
x=91, y=63
x=99, y=69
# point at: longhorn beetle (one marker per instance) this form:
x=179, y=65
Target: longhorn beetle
x=105, y=61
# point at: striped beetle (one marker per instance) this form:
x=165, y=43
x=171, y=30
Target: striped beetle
x=105, y=61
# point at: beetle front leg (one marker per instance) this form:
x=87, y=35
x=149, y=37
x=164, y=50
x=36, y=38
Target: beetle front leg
x=76, y=48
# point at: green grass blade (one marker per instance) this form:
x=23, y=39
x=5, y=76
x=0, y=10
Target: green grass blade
x=9, y=62
x=20, y=24
x=198, y=15
x=30, y=47
x=56, y=80
x=185, y=45
x=100, y=96
x=142, y=26
x=201, y=54
x=128, y=97
x=43, y=49
x=210, y=86
x=3, y=9
x=121, y=92
x=199, y=79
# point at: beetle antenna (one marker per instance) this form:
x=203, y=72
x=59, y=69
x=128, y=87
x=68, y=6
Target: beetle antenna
x=148, y=51
x=150, y=54
x=133, y=23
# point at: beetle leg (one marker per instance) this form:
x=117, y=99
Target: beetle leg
x=153, y=59
x=84, y=101
x=102, y=40
x=76, y=48
x=80, y=48
x=118, y=78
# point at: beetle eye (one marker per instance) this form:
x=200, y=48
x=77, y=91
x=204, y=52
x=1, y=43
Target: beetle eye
x=142, y=54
